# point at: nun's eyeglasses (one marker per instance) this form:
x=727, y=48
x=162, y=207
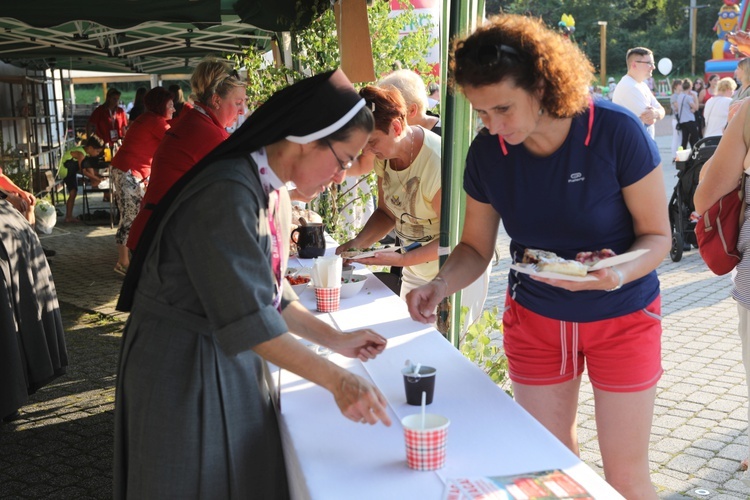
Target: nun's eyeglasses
x=492, y=54
x=344, y=165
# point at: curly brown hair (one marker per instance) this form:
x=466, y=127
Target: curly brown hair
x=533, y=56
x=387, y=104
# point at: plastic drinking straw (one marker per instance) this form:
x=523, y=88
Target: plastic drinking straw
x=424, y=406
x=416, y=369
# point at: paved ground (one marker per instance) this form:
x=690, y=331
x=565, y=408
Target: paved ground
x=61, y=445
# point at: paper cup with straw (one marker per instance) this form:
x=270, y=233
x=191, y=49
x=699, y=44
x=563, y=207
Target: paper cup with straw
x=425, y=443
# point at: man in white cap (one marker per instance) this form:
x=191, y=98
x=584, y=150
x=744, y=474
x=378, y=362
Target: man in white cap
x=633, y=93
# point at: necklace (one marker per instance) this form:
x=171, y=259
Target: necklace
x=411, y=150
x=411, y=156
x=395, y=199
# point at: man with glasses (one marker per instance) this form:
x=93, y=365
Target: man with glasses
x=632, y=92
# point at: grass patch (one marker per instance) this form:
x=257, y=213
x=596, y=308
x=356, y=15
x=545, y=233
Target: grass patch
x=75, y=318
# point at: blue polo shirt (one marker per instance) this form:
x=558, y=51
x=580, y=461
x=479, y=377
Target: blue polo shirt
x=568, y=202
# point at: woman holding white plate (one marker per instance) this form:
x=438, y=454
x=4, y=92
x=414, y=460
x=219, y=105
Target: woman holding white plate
x=565, y=174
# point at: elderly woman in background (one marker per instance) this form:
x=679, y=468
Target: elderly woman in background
x=413, y=90
x=717, y=108
x=408, y=190
x=220, y=100
x=193, y=414
x=132, y=165
x=565, y=174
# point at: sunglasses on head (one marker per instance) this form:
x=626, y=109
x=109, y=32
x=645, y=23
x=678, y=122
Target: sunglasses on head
x=490, y=54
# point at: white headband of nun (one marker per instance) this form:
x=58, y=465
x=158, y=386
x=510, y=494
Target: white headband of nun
x=325, y=132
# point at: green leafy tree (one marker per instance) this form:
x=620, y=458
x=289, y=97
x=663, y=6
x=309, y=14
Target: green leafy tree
x=478, y=346
x=316, y=50
x=661, y=25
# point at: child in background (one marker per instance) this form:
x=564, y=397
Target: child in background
x=73, y=161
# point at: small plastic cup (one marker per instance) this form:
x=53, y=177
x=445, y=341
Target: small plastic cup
x=684, y=154
x=416, y=383
x=328, y=299
x=425, y=446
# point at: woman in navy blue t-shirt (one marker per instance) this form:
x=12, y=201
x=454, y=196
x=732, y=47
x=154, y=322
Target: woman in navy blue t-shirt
x=566, y=174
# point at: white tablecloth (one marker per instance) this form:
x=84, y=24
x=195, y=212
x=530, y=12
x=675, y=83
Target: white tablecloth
x=330, y=457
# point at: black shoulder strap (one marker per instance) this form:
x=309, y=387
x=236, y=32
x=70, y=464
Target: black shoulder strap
x=130, y=283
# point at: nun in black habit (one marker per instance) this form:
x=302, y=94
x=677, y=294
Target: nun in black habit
x=208, y=302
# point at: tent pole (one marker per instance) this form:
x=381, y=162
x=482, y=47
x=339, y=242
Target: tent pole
x=459, y=17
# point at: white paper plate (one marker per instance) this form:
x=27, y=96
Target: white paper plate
x=612, y=261
x=618, y=259
x=372, y=253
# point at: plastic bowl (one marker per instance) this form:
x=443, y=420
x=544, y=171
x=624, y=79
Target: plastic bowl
x=298, y=289
x=351, y=287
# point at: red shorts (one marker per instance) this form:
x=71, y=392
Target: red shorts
x=622, y=354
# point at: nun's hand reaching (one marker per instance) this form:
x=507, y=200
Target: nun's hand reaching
x=360, y=401
x=363, y=344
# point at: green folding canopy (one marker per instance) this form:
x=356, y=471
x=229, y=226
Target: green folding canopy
x=170, y=36
x=143, y=36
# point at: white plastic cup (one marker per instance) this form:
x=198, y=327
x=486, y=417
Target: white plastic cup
x=684, y=154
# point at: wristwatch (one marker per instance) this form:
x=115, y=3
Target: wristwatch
x=620, y=277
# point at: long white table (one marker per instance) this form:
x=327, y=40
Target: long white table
x=330, y=457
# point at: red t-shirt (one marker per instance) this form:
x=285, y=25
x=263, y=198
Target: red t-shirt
x=186, y=107
x=109, y=125
x=139, y=146
x=708, y=95
x=185, y=144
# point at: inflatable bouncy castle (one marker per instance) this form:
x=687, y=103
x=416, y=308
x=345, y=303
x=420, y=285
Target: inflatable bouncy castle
x=733, y=16
x=567, y=25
